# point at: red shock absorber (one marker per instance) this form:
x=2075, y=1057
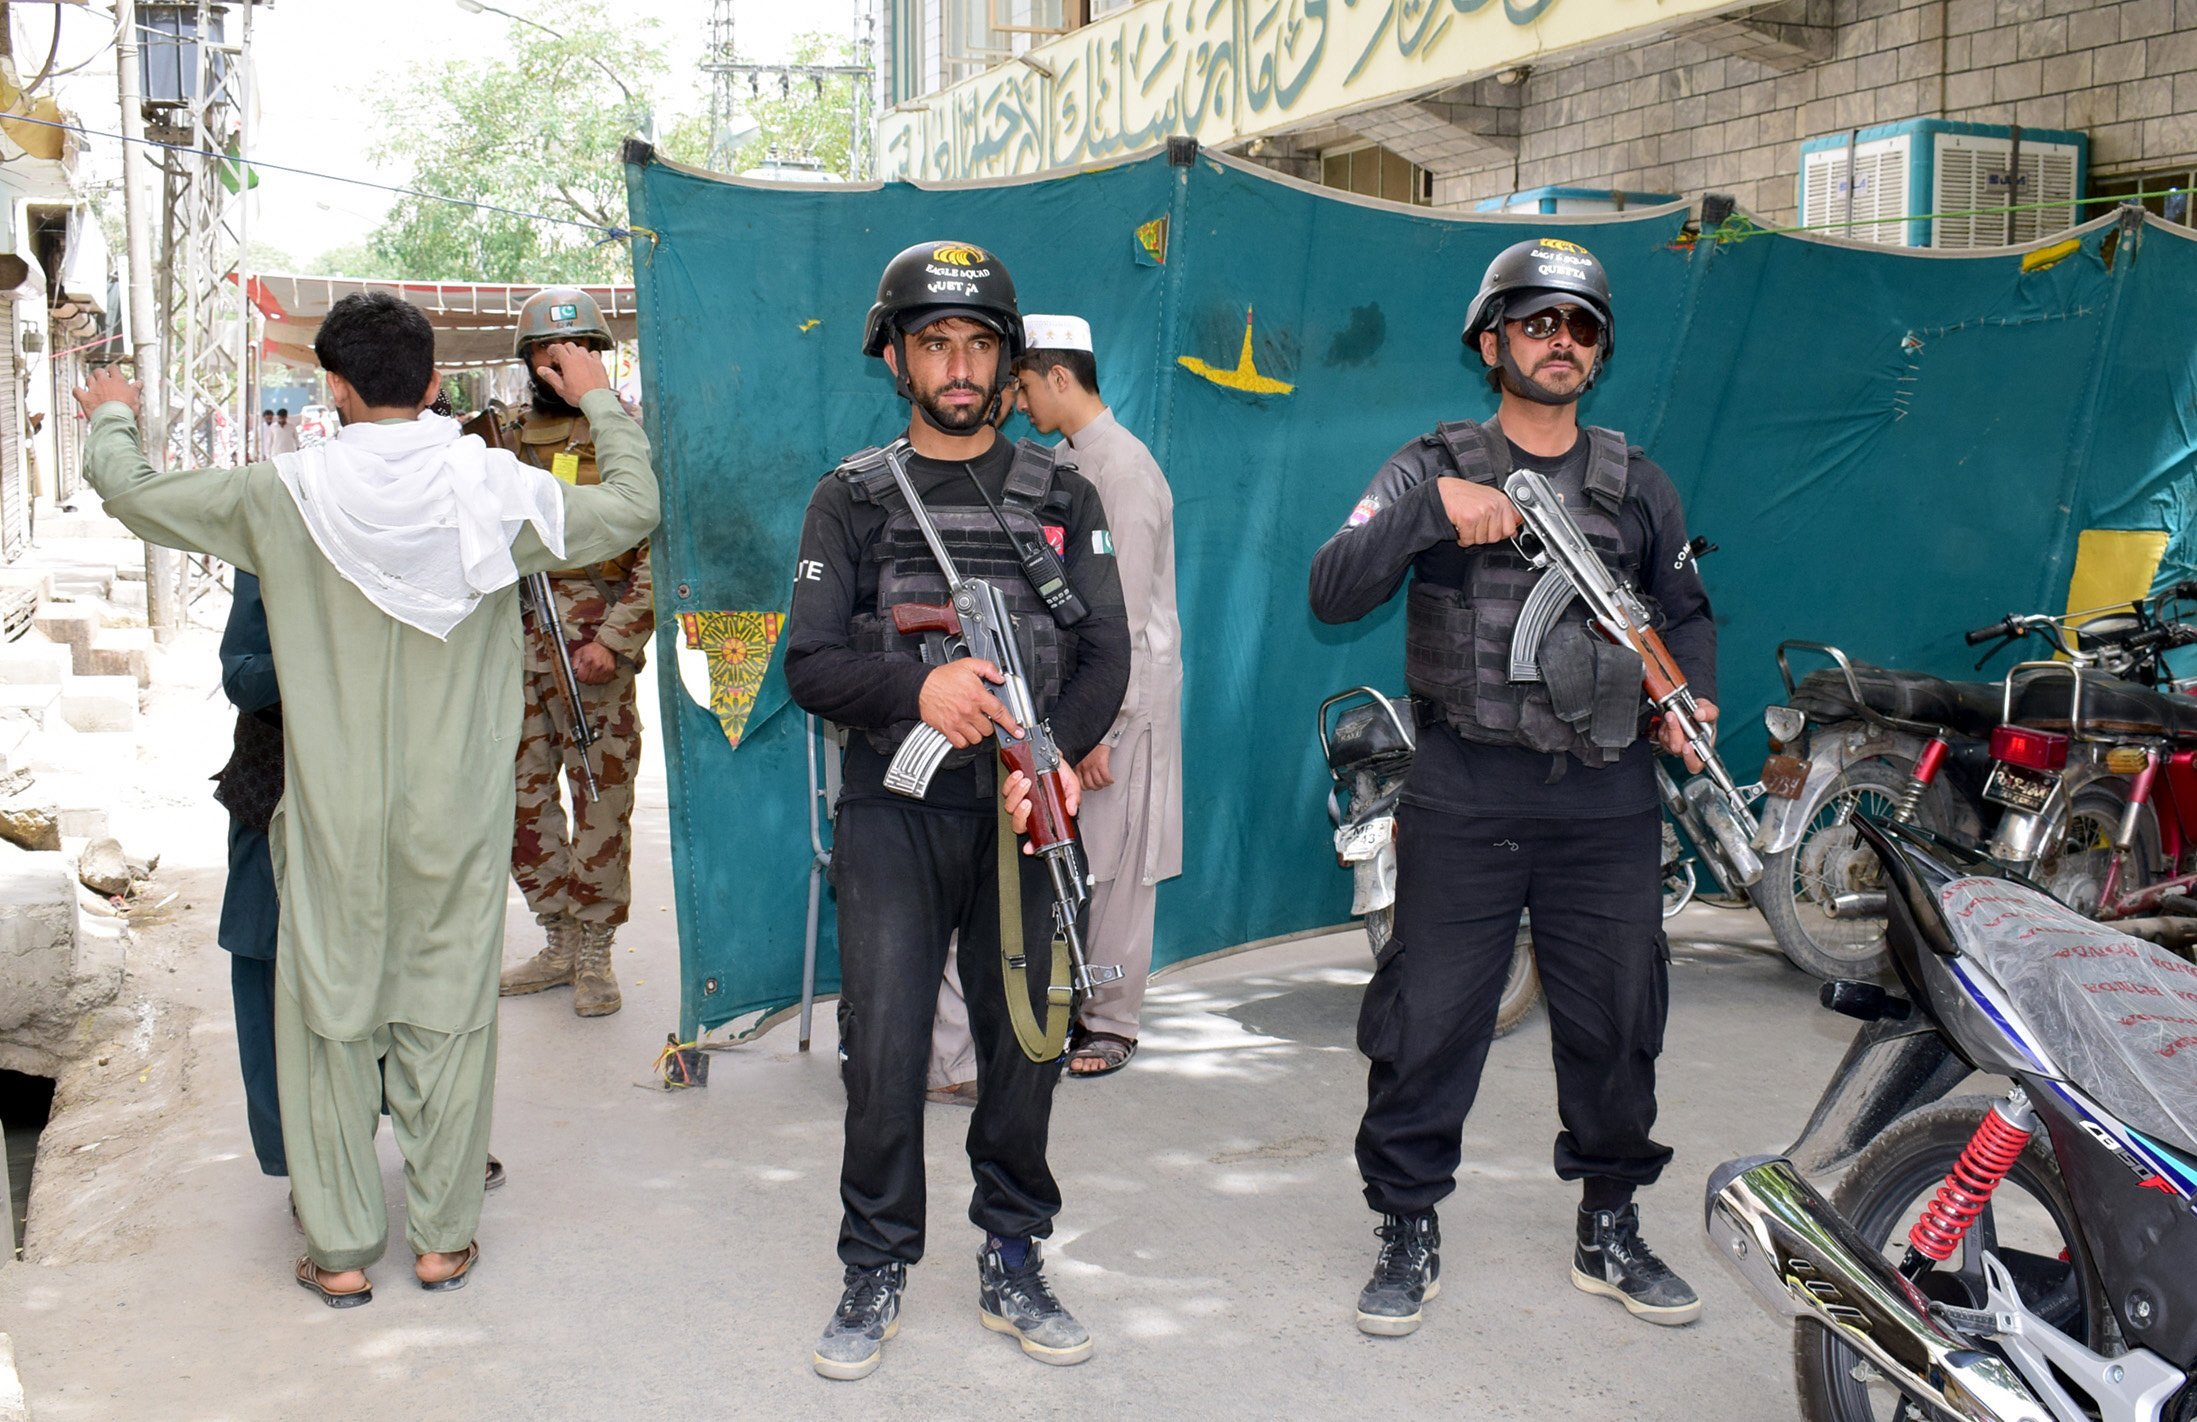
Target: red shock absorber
x=1918, y=783
x=1983, y=1163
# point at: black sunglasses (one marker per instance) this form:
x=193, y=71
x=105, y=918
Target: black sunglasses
x=1586, y=327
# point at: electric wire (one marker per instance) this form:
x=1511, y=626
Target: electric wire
x=611, y=234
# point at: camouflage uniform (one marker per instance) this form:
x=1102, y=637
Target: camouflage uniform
x=575, y=875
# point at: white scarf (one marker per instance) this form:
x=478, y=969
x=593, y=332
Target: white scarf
x=420, y=518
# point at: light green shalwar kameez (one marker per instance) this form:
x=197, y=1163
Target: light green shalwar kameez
x=393, y=841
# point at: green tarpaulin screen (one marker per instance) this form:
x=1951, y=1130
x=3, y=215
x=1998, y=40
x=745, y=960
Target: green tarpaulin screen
x=1888, y=447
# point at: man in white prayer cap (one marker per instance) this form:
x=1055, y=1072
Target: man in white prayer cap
x=1131, y=819
x=389, y=560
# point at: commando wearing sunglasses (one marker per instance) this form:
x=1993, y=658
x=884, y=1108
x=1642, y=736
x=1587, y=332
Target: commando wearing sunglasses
x=1523, y=795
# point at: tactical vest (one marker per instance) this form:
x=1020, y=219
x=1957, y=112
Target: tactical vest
x=906, y=572
x=539, y=440
x=1463, y=611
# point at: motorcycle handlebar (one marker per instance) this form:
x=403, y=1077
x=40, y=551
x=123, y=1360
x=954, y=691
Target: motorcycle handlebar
x=2004, y=627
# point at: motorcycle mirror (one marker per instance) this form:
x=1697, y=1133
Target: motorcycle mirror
x=1784, y=723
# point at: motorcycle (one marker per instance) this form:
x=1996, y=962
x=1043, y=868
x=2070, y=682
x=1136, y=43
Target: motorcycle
x=2025, y=1257
x=1918, y=749
x=2096, y=775
x=1368, y=745
x=1852, y=738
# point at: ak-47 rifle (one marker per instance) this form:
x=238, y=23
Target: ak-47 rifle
x=1619, y=614
x=548, y=625
x=977, y=623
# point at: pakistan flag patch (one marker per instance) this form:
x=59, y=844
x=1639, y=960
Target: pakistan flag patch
x=1102, y=542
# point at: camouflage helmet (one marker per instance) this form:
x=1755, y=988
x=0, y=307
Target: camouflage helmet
x=561, y=313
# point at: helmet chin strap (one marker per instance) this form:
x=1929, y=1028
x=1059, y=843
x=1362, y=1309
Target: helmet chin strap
x=1524, y=385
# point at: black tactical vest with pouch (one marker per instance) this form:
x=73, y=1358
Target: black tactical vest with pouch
x=1464, y=605
x=907, y=572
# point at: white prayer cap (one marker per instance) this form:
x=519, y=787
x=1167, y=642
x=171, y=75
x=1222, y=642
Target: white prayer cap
x=1056, y=333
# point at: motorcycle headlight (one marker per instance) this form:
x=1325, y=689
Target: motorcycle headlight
x=1785, y=723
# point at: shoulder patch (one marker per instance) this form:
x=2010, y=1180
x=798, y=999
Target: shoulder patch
x=1102, y=542
x=1366, y=509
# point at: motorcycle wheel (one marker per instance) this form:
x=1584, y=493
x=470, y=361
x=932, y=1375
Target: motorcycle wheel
x=1798, y=884
x=1521, y=988
x=2030, y=1218
x=2073, y=871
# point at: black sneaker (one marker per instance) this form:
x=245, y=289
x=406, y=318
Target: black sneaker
x=868, y=1314
x=1613, y=1260
x=1406, y=1275
x=1019, y=1301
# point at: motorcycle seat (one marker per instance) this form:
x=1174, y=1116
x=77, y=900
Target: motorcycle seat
x=1366, y=736
x=1967, y=706
x=2117, y=1014
x=2109, y=706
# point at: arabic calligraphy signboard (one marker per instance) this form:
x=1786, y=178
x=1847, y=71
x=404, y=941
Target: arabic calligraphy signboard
x=1222, y=71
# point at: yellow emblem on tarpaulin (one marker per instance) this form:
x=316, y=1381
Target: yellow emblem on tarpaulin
x=1152, y=242
x=1245, y=376
x=738, y=645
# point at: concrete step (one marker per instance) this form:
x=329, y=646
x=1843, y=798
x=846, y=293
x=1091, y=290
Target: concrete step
x=72, y=625
x=38, y=580
x=100, y=703
x=88, y=754
x=34, y=659
x=15, y=736
x=79, y=523
x=122, y=651
x=35, y=702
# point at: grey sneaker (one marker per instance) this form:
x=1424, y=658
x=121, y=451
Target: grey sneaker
x=1614, y=1261
x=869, y=1313
x=1407, y=1274
x=1019, y=1301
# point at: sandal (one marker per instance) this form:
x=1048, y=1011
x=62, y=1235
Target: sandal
x=455, y=1279
x=1110, y=1051
x=495, y=1178
x=961, y=1093
x=308, y=1277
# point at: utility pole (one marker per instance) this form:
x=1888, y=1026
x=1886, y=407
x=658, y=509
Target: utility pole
x=163, y=566
x=722, y=62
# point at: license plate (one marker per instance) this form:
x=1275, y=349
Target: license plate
x=2019, y=788
x=1356, y=843
x=1784, y=776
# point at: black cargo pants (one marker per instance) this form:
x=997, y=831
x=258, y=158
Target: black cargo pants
x=907, y=878
x=1594, y=889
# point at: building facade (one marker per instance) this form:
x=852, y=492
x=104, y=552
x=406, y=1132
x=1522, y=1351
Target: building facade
x=1840, y=114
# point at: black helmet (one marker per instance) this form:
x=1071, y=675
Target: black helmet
x=1533, y=276
x=934, y=280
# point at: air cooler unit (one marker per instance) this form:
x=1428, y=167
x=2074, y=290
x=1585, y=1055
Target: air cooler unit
x=1934, y=183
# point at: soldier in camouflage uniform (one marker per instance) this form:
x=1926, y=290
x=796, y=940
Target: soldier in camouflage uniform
x=575, y=876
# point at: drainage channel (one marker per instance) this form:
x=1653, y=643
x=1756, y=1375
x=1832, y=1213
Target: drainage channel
x=25, y=1102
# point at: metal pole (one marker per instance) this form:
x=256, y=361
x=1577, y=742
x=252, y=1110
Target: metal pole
x=163, y=566
x=245, y=362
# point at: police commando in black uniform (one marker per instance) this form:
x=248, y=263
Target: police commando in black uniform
x=911, y=873
x=1524, y=796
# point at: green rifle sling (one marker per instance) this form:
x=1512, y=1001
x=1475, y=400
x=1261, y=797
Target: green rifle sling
x=1039, y=1044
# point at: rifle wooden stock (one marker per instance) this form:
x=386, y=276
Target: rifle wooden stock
x=911, y=619
x=1050, y=822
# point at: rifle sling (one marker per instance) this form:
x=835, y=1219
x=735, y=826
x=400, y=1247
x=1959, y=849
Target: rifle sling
x=1039, y=1043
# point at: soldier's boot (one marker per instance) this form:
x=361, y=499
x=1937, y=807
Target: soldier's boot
x=552, y=967
x=594, y=986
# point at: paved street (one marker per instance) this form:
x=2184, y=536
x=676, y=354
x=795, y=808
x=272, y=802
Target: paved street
x=660, y=1253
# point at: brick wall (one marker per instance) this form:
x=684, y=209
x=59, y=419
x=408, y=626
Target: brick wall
x=1723, y=107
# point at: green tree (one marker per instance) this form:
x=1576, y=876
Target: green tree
x=802, y=118
x=535, y=131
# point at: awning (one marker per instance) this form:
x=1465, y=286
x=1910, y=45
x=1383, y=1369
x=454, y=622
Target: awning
x=474, y=321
